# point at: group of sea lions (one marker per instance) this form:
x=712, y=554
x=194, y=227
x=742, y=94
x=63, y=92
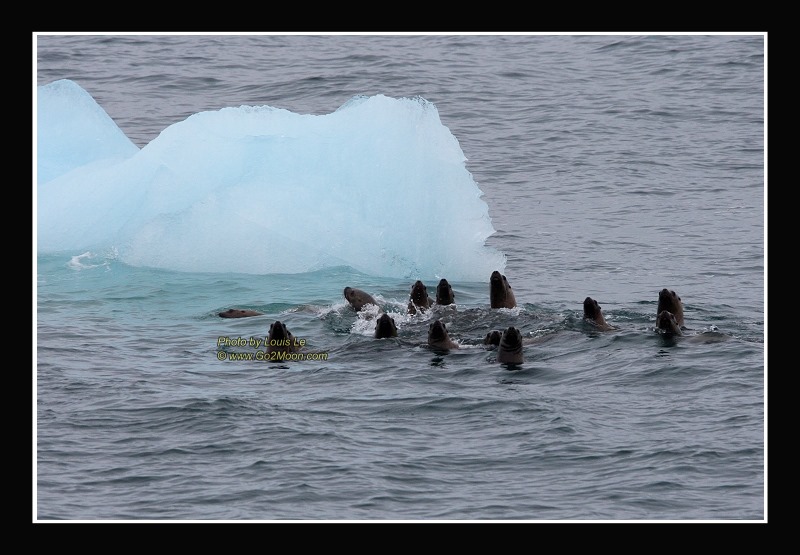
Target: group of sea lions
x=669, y=316
x=508, y=343
x=419, y=301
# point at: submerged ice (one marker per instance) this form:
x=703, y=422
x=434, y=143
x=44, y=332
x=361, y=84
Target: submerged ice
x=379, y=185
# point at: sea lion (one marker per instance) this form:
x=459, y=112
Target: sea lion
x=670, y=301
x=238, y=313
x=594, y=314
x=444, y=293
x=500, y=293
x=510, y=348
x=438, y=338
x=385, y=327
x=419, y=298
x=280, y=339
x=667, y=324
x=492, y=338
x=358, y=298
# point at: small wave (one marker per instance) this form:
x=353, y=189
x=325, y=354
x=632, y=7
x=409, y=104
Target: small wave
x=84, y=261
x=364, y=323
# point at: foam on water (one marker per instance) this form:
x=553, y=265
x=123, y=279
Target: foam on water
x=85, y=261
x=367, y=317
x=379, y=185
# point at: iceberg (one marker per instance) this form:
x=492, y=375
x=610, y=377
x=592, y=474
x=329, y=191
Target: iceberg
x=379, y=185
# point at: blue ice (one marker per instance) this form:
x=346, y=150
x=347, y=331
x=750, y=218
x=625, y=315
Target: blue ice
x=379, y=185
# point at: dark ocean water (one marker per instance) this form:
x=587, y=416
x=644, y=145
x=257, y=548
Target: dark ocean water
x=612, y=166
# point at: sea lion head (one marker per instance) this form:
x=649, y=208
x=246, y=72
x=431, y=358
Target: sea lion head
x=670, y=301
x=278, y=331
x=444, y=293
x=385, y=327
x=667, y=323
x=238, y=313
x=419, y=293
x=592, y=312
x=497, y=286
x=510, y=349
x=357, y=298
x=280, y=339
x=492, y=338
x=591, y=308
x=512, y=338
x=438, y=338
x=437, y=331
x=500, y=293
x=496, y=278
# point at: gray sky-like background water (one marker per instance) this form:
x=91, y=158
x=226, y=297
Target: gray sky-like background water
x=612, y=166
